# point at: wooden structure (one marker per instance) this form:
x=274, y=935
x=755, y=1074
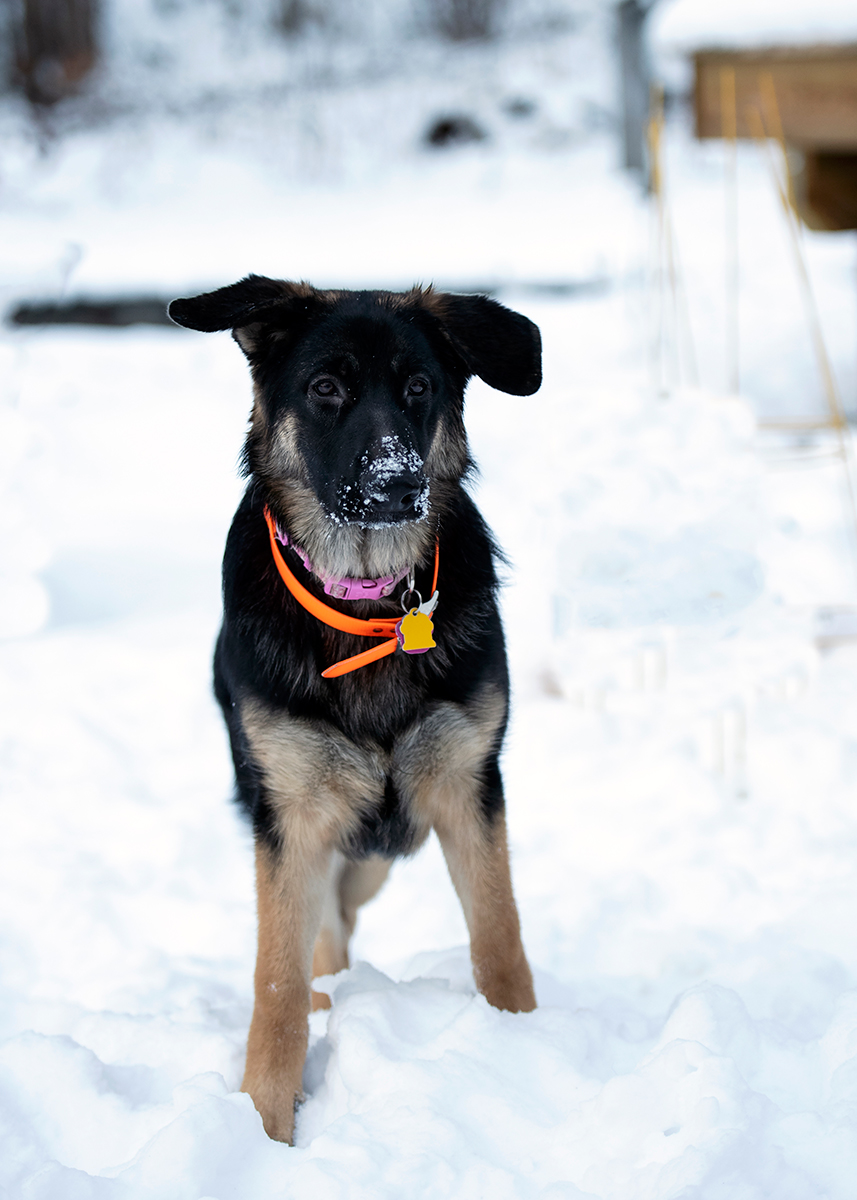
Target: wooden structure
x=55, y=47
x=807, y=96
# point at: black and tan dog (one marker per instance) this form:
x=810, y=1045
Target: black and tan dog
x=356, y=455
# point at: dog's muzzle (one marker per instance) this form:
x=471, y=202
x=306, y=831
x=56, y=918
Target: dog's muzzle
x=391, y=487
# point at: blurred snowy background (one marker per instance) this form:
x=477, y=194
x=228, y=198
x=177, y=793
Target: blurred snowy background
x=681, y=610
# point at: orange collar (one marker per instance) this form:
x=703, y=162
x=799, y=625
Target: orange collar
x=382, y=627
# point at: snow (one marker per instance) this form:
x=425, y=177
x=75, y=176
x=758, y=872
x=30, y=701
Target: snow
x=680, y=609
x=393, y=458
x=697, y=24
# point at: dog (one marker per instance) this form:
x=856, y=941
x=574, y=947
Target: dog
x=361, y=666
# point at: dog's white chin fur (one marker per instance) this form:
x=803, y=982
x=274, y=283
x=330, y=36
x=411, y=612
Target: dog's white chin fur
x=338, y=548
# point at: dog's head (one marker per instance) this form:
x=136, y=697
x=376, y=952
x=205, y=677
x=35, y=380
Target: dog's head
x=357, y=433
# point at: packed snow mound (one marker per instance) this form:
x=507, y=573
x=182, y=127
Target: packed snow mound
x=527, y=1100
x=419, y=1088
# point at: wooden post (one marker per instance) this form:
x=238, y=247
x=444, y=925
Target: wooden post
x=56, y=47
x=729, y=128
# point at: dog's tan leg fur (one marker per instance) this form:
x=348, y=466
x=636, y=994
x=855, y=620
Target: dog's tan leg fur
x=329, y=957
x=350, y=885
x=440, y=767
x=360, y=881
x=318, y=784
x=330, y=953
x=478, y=859
x=290, y=896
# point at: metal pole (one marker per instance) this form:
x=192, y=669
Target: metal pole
x=636, y=82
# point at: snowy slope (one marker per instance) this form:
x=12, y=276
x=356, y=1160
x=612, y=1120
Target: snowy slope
x=680, y=767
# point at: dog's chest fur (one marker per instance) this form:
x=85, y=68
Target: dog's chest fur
x=365, y=751
x=363, y=798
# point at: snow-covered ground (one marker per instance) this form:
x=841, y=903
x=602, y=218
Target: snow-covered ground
x=681, y=762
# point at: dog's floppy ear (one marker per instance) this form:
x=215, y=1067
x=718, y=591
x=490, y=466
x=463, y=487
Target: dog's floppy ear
x=249, y=308
x=231, y=306
x=500, y=346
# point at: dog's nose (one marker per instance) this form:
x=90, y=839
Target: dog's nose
x=396, y=497
x=402, y=492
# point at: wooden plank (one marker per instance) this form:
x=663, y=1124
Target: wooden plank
x=816, y=89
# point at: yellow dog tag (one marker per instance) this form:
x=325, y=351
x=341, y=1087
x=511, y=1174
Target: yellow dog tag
x=414, y=631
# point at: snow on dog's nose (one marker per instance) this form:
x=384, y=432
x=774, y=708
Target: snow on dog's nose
x=392, y=485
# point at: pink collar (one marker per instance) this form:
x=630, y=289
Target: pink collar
x=345, y=589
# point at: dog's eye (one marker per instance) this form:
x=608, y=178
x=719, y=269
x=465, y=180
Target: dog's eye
x=325, y=388
x=417, y=388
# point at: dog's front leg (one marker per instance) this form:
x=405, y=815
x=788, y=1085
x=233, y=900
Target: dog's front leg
x=290, y=890
x=474, y=845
